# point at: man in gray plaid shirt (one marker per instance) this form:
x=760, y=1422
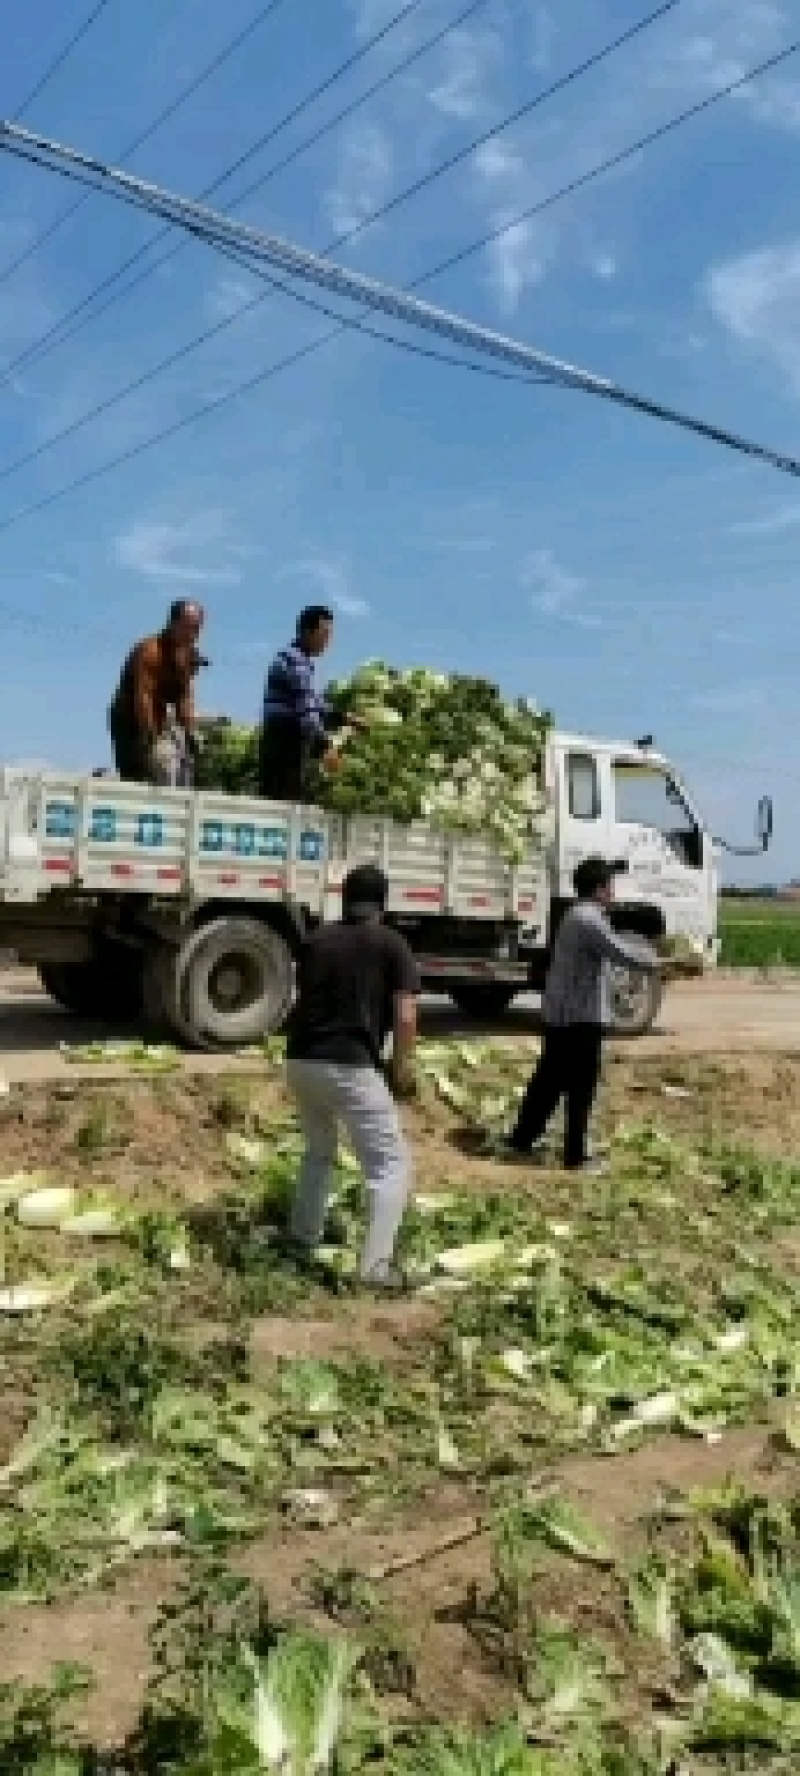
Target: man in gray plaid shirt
x=576, y=1013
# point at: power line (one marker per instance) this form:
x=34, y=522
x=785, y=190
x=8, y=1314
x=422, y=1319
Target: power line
x=279, y=287
x=57, y=332
x=60, y=58
x=65, y=328
x=343, y=323
x=616, y=160
x=564, y=81
x=224, y=55
x=512, y=117
x=213, y=228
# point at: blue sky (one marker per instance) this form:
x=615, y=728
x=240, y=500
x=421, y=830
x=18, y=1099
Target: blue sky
x=629, y=577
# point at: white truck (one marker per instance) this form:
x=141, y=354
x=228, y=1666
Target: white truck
x=186, y=909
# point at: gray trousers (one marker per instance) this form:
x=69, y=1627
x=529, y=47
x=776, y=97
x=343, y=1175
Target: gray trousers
x=172, y=763
x=328, y=1094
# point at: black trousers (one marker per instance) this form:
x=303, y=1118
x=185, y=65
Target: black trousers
x=134, y=762
x=569, y=1068
x=131, y=758
x=285, y=761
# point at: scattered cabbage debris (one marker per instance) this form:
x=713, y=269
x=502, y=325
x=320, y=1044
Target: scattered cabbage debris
x=573, y=1316
x=147, y=1056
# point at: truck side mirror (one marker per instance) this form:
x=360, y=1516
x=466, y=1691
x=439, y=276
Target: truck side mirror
x=764, y=822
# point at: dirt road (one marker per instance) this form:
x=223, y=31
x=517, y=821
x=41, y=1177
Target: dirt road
x=726, y=1014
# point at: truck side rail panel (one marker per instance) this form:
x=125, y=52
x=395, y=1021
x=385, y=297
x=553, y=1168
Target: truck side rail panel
x=466, y=877
x=101, y=836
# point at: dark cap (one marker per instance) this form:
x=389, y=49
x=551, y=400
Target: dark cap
x=594, y=873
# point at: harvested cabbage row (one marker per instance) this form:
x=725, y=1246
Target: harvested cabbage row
x=443, y=748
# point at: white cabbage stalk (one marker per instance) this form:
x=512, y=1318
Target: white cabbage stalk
x=516, y=1363
x=46, y=1208
x=31, y=1297
x=246, y=1147
x=298, y=1699
x=17, y=1184
x=477, y=1256
x=97, y=1222
x=447, y=1451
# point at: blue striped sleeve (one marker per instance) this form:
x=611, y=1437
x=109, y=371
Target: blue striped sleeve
x=290, y=692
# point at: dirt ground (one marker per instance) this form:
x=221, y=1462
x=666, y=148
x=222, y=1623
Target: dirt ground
x=731, y=1012
x=160, y=1140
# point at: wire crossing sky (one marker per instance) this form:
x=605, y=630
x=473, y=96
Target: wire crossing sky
x=219, y=231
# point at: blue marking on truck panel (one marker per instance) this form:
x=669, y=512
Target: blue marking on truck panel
x=103, y=826
x=212, y=836
x=245, y=839
x=59, y=820
x=273, y=842
x=150, y=830
x=312, y=847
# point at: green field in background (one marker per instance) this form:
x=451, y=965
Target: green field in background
x=759, y=934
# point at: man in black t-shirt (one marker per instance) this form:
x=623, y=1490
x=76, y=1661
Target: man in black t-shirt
x=357, y=985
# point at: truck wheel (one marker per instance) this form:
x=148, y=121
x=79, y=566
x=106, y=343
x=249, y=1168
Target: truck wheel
x=107, y=986
x=234, y=983
x=483, y=1000
x=635, y=1000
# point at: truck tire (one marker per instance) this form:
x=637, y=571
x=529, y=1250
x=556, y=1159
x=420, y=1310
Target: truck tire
x=635, y=999
x=107, y=986
x=233, y=984
x=489, y=999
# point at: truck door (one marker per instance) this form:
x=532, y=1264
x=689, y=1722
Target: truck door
x=583, y=823
x=668, y=855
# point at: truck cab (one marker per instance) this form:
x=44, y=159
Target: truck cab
x=628, y=803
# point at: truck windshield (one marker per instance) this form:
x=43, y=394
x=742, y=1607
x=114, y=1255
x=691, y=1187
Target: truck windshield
x=646, y=795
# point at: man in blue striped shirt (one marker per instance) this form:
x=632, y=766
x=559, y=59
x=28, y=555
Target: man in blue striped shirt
x=297, y=720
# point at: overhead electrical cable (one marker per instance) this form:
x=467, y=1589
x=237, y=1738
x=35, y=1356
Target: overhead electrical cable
x=278, y=286
x=258, y=247
x=85, y=310
x=182, y=98
x=60, y=58
x=209, y=333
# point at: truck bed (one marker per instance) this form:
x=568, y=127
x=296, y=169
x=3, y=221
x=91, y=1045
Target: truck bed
x=95, y=836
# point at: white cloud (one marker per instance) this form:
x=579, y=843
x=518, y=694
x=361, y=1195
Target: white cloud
x=363, y=177
x=773, y=523
x=478, y=74
x=555, y=592
x=462, y=90
x=603, y=266
x=756, y=298
x=371, y=16
x=730, y=699
x=181, y=552
x=331, y=580
x=543, y=36
x=229, y=296
x=716, y=44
